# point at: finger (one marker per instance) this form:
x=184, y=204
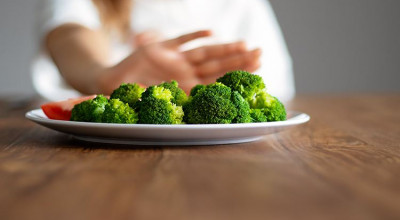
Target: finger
x=146, y=37
x=153, y=74
x=227, y=64
x=169, y=61
x=176, y=42
x=210, y=79
x=189, y=84
x=252, y=67
x=202, y=54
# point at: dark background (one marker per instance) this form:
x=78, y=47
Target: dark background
x=336, y=45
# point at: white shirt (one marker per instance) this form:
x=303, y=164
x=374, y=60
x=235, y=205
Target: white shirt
x=230, y=20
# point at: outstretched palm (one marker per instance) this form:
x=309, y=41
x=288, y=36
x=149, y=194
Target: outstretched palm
x=162, y=61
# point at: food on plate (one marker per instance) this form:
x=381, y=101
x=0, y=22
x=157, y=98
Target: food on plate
x=236, y=97
x=242, y=107
x=196, y=88
x=179, y=97
x=245, y=83
x=253, y=90
x=119, y=112
x=272, y=108
x=216, y=104
x=129, y=93
x=156, y=107
x=62, y=110
x=90, y=110
x=257, y=115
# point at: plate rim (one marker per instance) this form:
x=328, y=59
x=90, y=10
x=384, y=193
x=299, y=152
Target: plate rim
x=35, y=115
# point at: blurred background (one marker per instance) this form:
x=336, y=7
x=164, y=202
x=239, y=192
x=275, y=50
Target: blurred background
x=337, y=46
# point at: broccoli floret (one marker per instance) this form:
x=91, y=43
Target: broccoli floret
x=216, y=104
x=195, y=89
x=252, y=88
x=243, y=108
x=156, y=107
x=179, y=97
x=119, y=112
x=90, y=110
x=272, y=108
x=245, y=83
x=128, y=93
x=257, y=115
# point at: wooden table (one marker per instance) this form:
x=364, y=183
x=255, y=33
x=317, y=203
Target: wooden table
x=343, y=164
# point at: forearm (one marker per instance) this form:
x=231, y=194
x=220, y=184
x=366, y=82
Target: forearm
x=80, y=54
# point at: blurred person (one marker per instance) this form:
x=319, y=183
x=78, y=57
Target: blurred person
x=92, y=46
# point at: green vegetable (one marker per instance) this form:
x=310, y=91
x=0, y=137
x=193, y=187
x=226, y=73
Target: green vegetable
x=216, y=104
x=196, y=88
x=236, y=97
x=156, y=107
x=117, y=111
x=242, y=107
x=90, y=110
x=252, y=88
x=245, y=83
x=179, y=97
x=272, y=108
x=128, y=93
x=257, y=115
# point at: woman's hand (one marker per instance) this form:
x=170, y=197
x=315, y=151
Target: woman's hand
x=155, y=62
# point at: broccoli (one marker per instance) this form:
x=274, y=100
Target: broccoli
x=257, y=115
x=90, y=110
x=128, y=93
x=117, y=111
x=179, y=97
x=272, y=108
x=236, y=97
x=245, y=83
x=252, y=88
x=242, y=107
x=216, y=104
x=156, y=107
x=195, y=89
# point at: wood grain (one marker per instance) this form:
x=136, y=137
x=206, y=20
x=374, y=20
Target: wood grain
x=343, y=164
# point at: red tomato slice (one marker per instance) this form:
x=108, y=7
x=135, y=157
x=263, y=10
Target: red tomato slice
x=62, y=110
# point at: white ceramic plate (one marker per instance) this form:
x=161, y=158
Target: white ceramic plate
x=145, y=134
